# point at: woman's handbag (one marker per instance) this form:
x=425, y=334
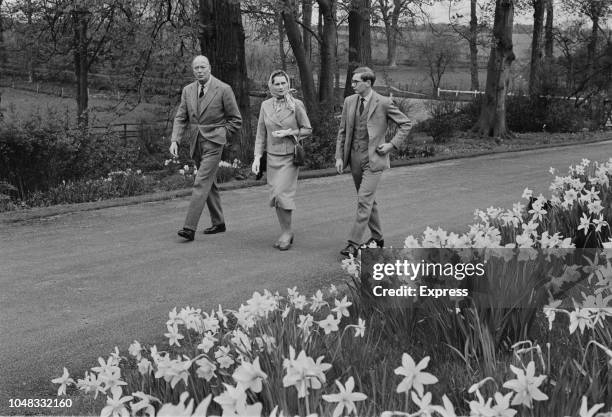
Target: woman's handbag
x=299, y=156
x=263, y=165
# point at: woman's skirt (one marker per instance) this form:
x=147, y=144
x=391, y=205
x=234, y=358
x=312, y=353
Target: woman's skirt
x=282, y=178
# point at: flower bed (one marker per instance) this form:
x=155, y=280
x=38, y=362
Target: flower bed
x=339, y=353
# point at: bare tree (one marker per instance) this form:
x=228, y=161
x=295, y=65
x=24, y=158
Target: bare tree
x=548, y=31
x=391, y=13
x=359, y=48
x=473, y=41
x=222, y=41
x=328, y=50
x=80, y=23
x=492, y=121
x=596, y=11
x=281, y=41
x=290, y=18
x=307, y=26
x=472, y=33
x=2, y=46
x=437, y=52
x=536, y=64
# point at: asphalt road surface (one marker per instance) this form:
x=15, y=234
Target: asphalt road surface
x=74, y=286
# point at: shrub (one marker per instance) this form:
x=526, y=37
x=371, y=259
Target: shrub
x=6, y=203
x=40, y=153
x=117, y=184
x=320, y=148
x=536, y=114
x=34, y=155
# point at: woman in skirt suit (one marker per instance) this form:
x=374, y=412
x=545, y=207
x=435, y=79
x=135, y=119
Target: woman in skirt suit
x=282, y=122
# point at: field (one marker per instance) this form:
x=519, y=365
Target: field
x=262, y=58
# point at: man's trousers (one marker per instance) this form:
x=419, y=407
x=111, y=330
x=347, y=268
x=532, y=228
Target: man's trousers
x=204, y=186
x=366, y=182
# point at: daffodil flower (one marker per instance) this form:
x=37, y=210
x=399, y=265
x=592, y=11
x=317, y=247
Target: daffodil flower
x=208, y=342
x=232, y=400
x=342, y=307
x=64, y=381
x=414, y=377
x=360, y=328
x=526, y=385
x=206, y=369
x=182, y=409
x=580, y=318
x=143, y=404
x=330, y=324
x=346, y=398
x=250, y=376
x=447, y=410
x=135, y=349
x=115, y=404
x=173, y=335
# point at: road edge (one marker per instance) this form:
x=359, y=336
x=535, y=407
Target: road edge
x=62, y=209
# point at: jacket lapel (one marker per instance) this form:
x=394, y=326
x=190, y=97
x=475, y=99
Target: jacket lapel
x=210, y=94
x=273, y=115
x=373, y=103
x=351, y=116
x=193, y=95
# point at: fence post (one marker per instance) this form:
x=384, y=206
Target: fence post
x=125, y=134
x=62, y=92
x=438, y=92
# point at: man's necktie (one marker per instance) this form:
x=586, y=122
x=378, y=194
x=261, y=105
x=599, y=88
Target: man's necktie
x=201, y=91
x=362, y=100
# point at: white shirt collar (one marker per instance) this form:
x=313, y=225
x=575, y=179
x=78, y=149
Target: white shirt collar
x=367, y=98
x=205, y=86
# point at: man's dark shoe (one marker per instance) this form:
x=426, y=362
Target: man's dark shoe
x=187, y=234
x=216, y=228
x=349, y=250
x=380, y=243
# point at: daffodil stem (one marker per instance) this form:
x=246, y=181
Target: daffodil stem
x=307, y=405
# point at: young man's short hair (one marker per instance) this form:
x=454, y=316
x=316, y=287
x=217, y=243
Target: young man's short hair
x=366, y=73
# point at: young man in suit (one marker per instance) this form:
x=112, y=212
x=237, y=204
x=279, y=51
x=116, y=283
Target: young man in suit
x=361, y=144
x=207, y=116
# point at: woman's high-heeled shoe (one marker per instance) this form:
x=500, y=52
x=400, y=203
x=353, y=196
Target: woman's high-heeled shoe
x=285, y=245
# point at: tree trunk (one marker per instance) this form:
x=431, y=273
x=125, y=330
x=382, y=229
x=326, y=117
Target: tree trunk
x=395, y=30
x=548, y=31
x=535, y=67
x=360, y=51
x=80, y=22
x=492, y=121
x=281, y=41
x=222, y=41
x=328, y=53
x=28, y=51
x=307, y=26
x=391, y=45
x=2, y=46
x=592, y=47
x=303, y=61
x=475, y=83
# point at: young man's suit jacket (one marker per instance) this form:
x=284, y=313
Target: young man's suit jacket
x=216, y=119
x=380, y=110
